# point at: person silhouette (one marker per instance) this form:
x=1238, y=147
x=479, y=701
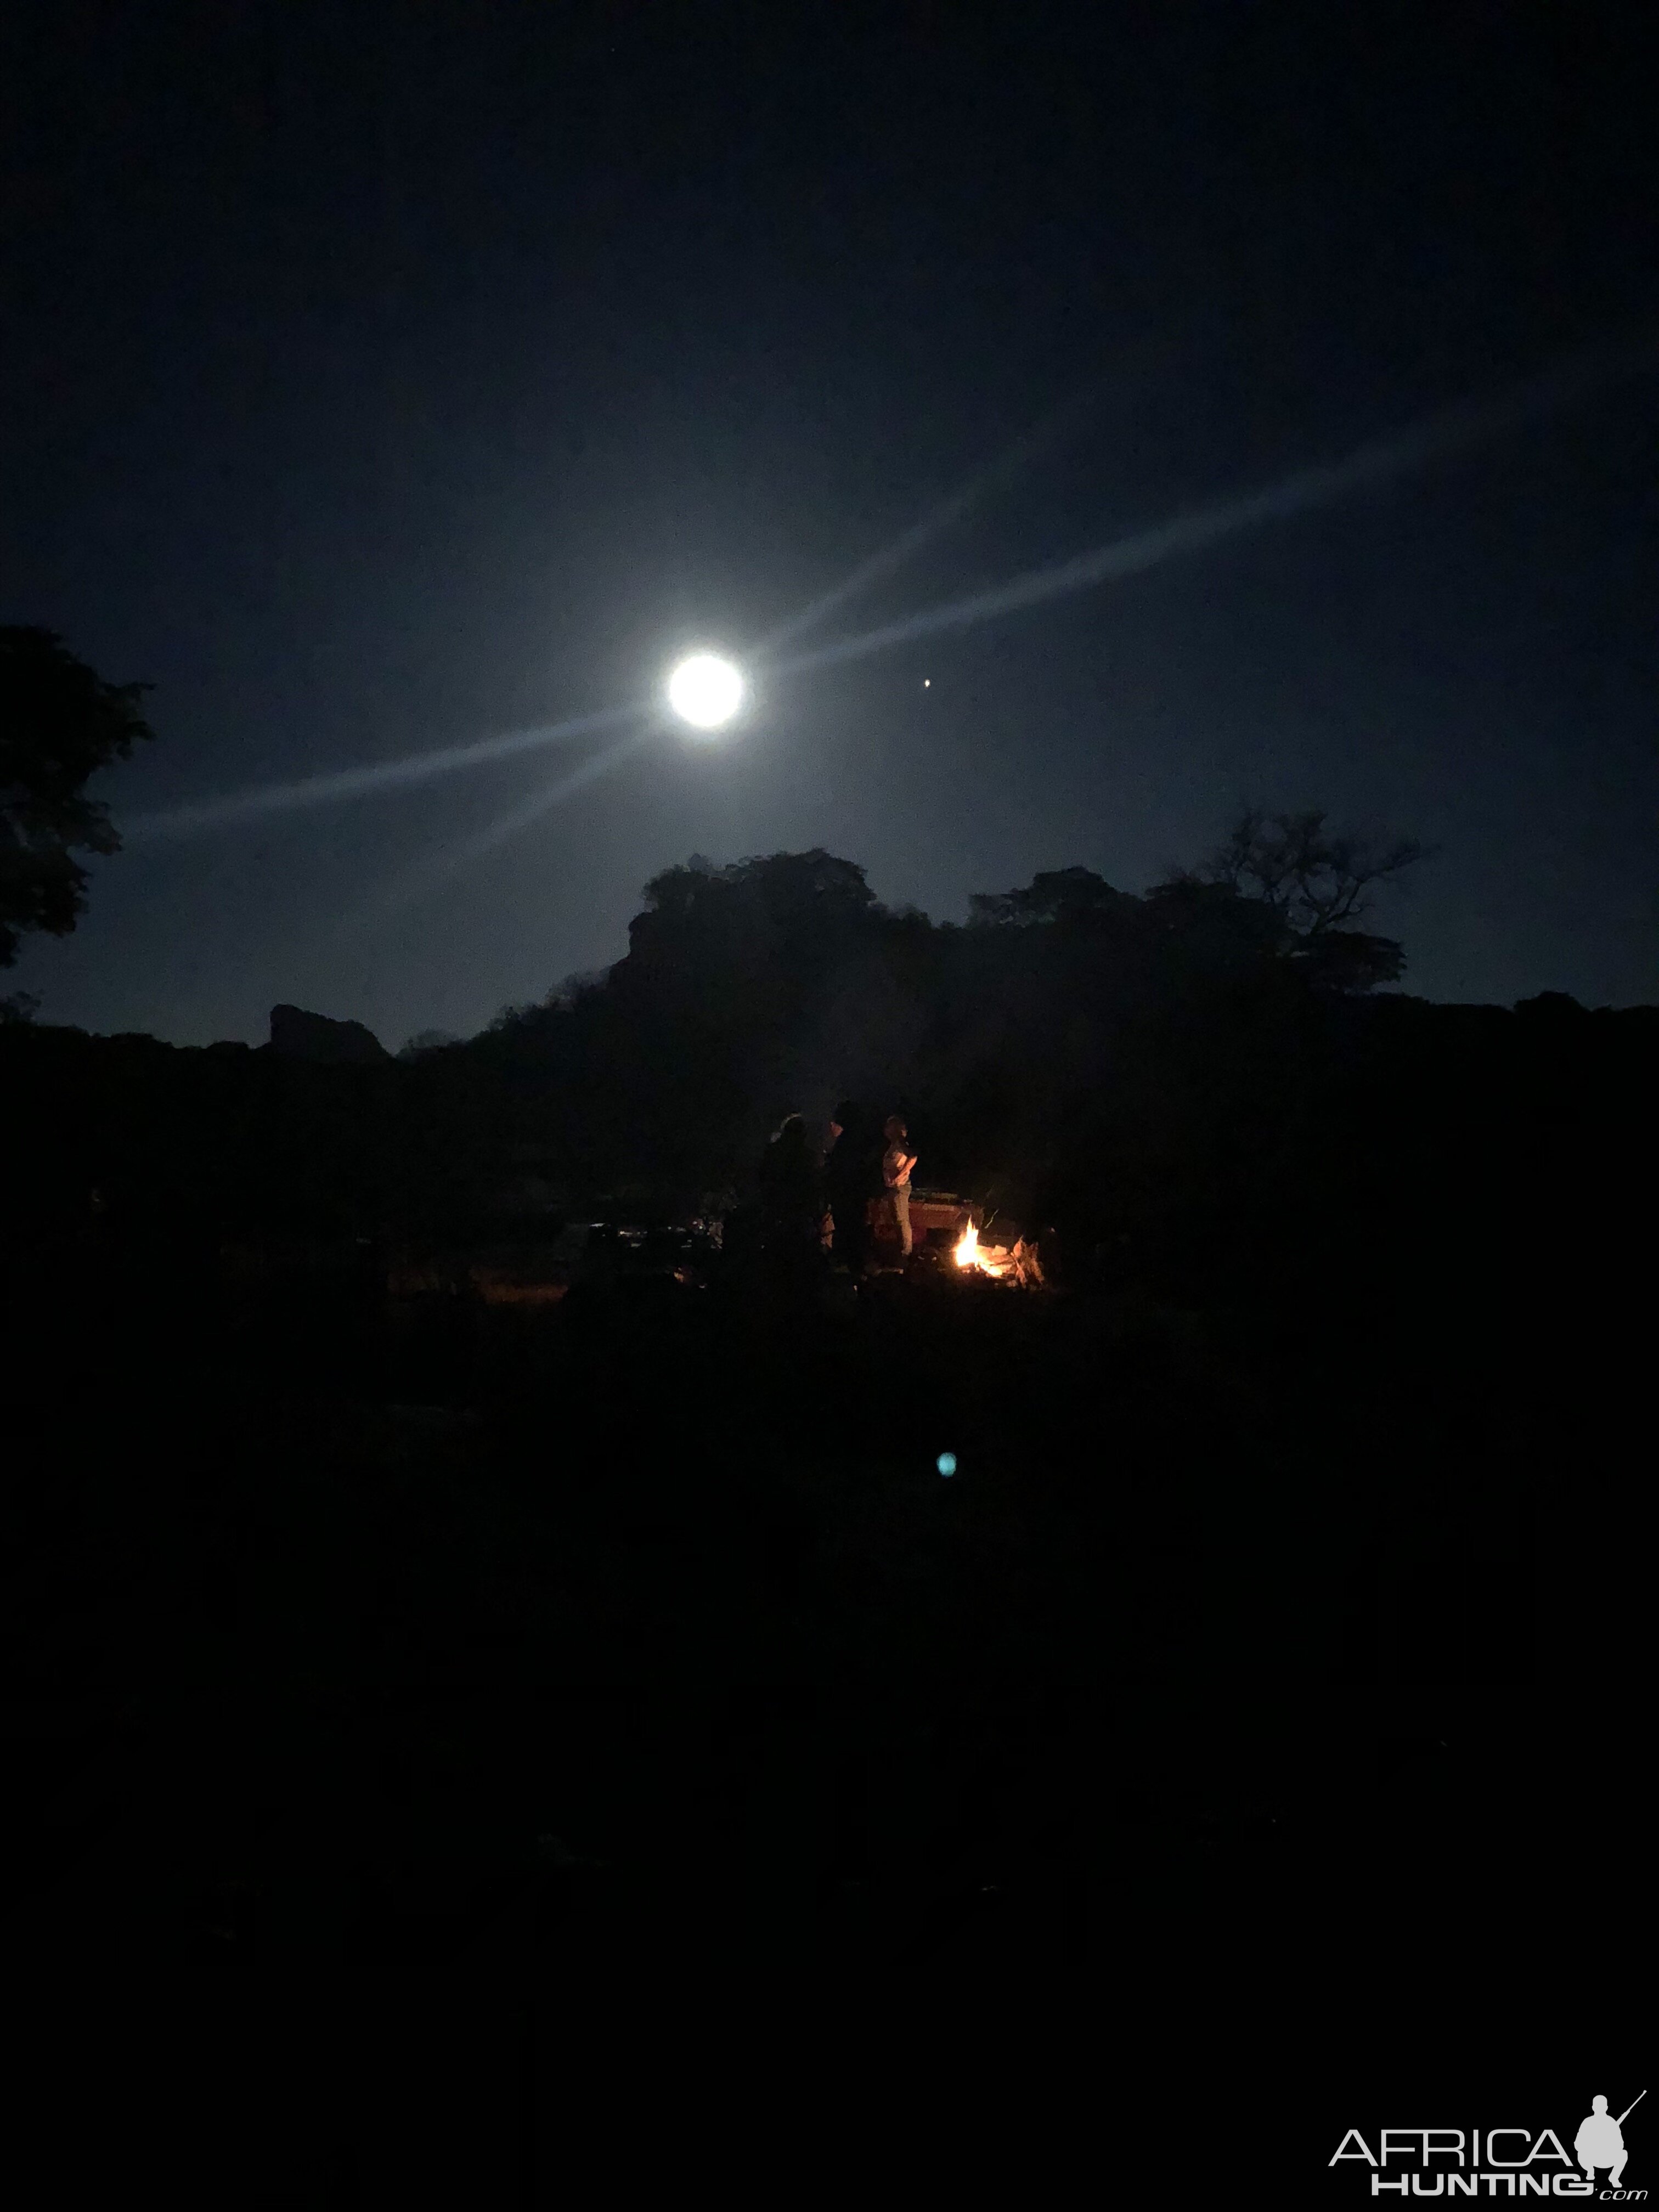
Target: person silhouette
x=852, y=1178
x=792, y=1206
x=1599, y=2141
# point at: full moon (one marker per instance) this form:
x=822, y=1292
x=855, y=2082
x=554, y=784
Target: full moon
x=705, y=690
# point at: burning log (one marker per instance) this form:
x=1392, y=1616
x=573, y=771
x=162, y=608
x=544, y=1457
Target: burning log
x=1003, y=1263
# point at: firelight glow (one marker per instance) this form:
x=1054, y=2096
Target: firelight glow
x=705, y=690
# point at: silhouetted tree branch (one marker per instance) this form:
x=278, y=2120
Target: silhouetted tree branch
x=1316, y=877
x=59, y=723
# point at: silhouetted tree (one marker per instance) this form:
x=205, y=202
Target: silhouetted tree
x=59, y=723
x=1316, y=883
x=1318, y=878
x=1059, y=895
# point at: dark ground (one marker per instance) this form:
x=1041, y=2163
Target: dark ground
x=408, y=1714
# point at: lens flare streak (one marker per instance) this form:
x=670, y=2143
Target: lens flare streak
x=1471, y=424
x=427, y=875
x=355, y=782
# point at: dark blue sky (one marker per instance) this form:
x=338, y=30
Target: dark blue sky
x=381, y=377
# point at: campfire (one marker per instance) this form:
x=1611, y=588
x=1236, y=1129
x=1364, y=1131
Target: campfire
x=1004, y=1263
x=967, y=1251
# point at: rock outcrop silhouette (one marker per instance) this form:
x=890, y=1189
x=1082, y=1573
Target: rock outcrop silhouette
x=297, y=1035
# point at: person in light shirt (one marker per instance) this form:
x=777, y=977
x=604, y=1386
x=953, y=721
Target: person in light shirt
x=897, y=1163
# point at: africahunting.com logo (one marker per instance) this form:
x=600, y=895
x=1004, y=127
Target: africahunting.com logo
x=1499, y=2162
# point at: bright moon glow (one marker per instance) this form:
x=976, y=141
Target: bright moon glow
x=705, y=690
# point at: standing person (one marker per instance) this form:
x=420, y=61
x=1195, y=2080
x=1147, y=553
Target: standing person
x=846, y=1185
x=790, y=1201
x=897, y=1163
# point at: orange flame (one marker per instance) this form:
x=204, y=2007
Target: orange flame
x=967, y=1251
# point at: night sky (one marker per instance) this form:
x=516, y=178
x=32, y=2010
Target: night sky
x=377, y=378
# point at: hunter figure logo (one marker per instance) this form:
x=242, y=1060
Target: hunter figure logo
x=1601, y=2141
x=1499, y=2162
